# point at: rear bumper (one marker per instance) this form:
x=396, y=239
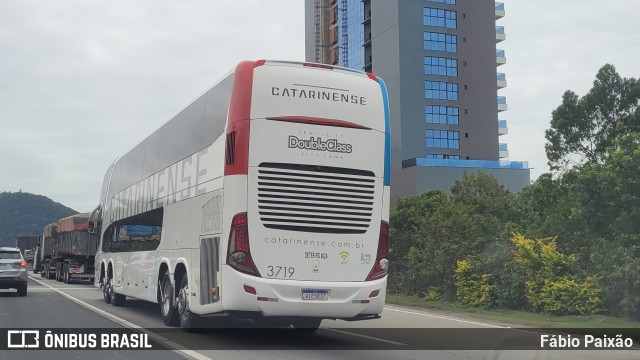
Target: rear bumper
x=347, y=300
x=12, y=283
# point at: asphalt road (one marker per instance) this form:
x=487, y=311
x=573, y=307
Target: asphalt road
x=401, y=333
x=47, y=309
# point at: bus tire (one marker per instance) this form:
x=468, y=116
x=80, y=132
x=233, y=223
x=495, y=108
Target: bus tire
x=106, y=294
x=188, y=320
x=306, y=325
x=116, y=299
x=167, y=301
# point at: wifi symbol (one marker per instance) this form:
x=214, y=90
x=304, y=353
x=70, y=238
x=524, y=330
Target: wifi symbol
x=344, y=255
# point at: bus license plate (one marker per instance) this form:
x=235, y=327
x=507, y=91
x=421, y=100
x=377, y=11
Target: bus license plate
x=315, y=294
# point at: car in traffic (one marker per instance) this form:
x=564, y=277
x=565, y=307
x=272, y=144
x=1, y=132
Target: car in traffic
x=13, y=270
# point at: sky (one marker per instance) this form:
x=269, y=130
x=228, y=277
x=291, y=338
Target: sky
x=82, y=82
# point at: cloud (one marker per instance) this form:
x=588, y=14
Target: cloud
x=83, y=82
x=554, y=46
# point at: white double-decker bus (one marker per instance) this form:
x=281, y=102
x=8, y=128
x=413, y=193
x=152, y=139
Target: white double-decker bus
x=265, y=198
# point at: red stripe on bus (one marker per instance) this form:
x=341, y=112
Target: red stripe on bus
x=319, y=121
x=239, y=115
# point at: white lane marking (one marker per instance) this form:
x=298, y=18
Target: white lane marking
x=195, y=355
x=445, y=317
x=31, y=288
x=365, y=336
x=123, y=322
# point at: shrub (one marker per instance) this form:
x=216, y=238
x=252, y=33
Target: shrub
x=551, y=287
x=472, y=288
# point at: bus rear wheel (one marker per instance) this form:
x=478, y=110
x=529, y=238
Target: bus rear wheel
x=116, y=299
x=167, y=308
x=188, y=320
x=106, y=292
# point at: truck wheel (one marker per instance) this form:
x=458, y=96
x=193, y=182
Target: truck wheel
x=65, y=273
x=116, y=299
x=306, y=325
x=188, y=320
x=22, y=291
x=168, y=311
x=106, y=291
x=59, y=272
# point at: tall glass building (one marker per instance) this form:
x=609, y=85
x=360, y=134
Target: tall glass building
x=440, y=60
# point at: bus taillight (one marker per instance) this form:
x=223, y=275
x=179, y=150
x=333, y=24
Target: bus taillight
x=381, y=265
x=239, y=253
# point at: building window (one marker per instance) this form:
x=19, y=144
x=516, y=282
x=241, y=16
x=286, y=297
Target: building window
x=440, y=42
x=443, y=156
x=450, y=2
x=443, y=139
x=440, y=66
x=439, y=18
x=441, y=90
x=442, y=115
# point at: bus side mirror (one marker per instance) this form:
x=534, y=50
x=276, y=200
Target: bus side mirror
x=91, y=228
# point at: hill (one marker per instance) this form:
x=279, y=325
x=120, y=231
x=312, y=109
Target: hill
x=23, y=214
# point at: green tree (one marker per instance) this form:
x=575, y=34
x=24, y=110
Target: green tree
x=485, y=195
x=430, y=232
x=584, y=128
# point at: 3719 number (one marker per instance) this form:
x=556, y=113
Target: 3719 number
x=284, y=272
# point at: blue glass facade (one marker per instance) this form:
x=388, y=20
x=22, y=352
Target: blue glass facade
x=355, y=34
x=440, y=66
x=443, y=156
x=440, y=42
x=442, y=114
x=440, y=18
x=482, y=164
x=443, y=139
x=440, y=90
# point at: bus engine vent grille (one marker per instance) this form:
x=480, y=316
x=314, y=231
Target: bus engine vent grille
x=319, y=199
